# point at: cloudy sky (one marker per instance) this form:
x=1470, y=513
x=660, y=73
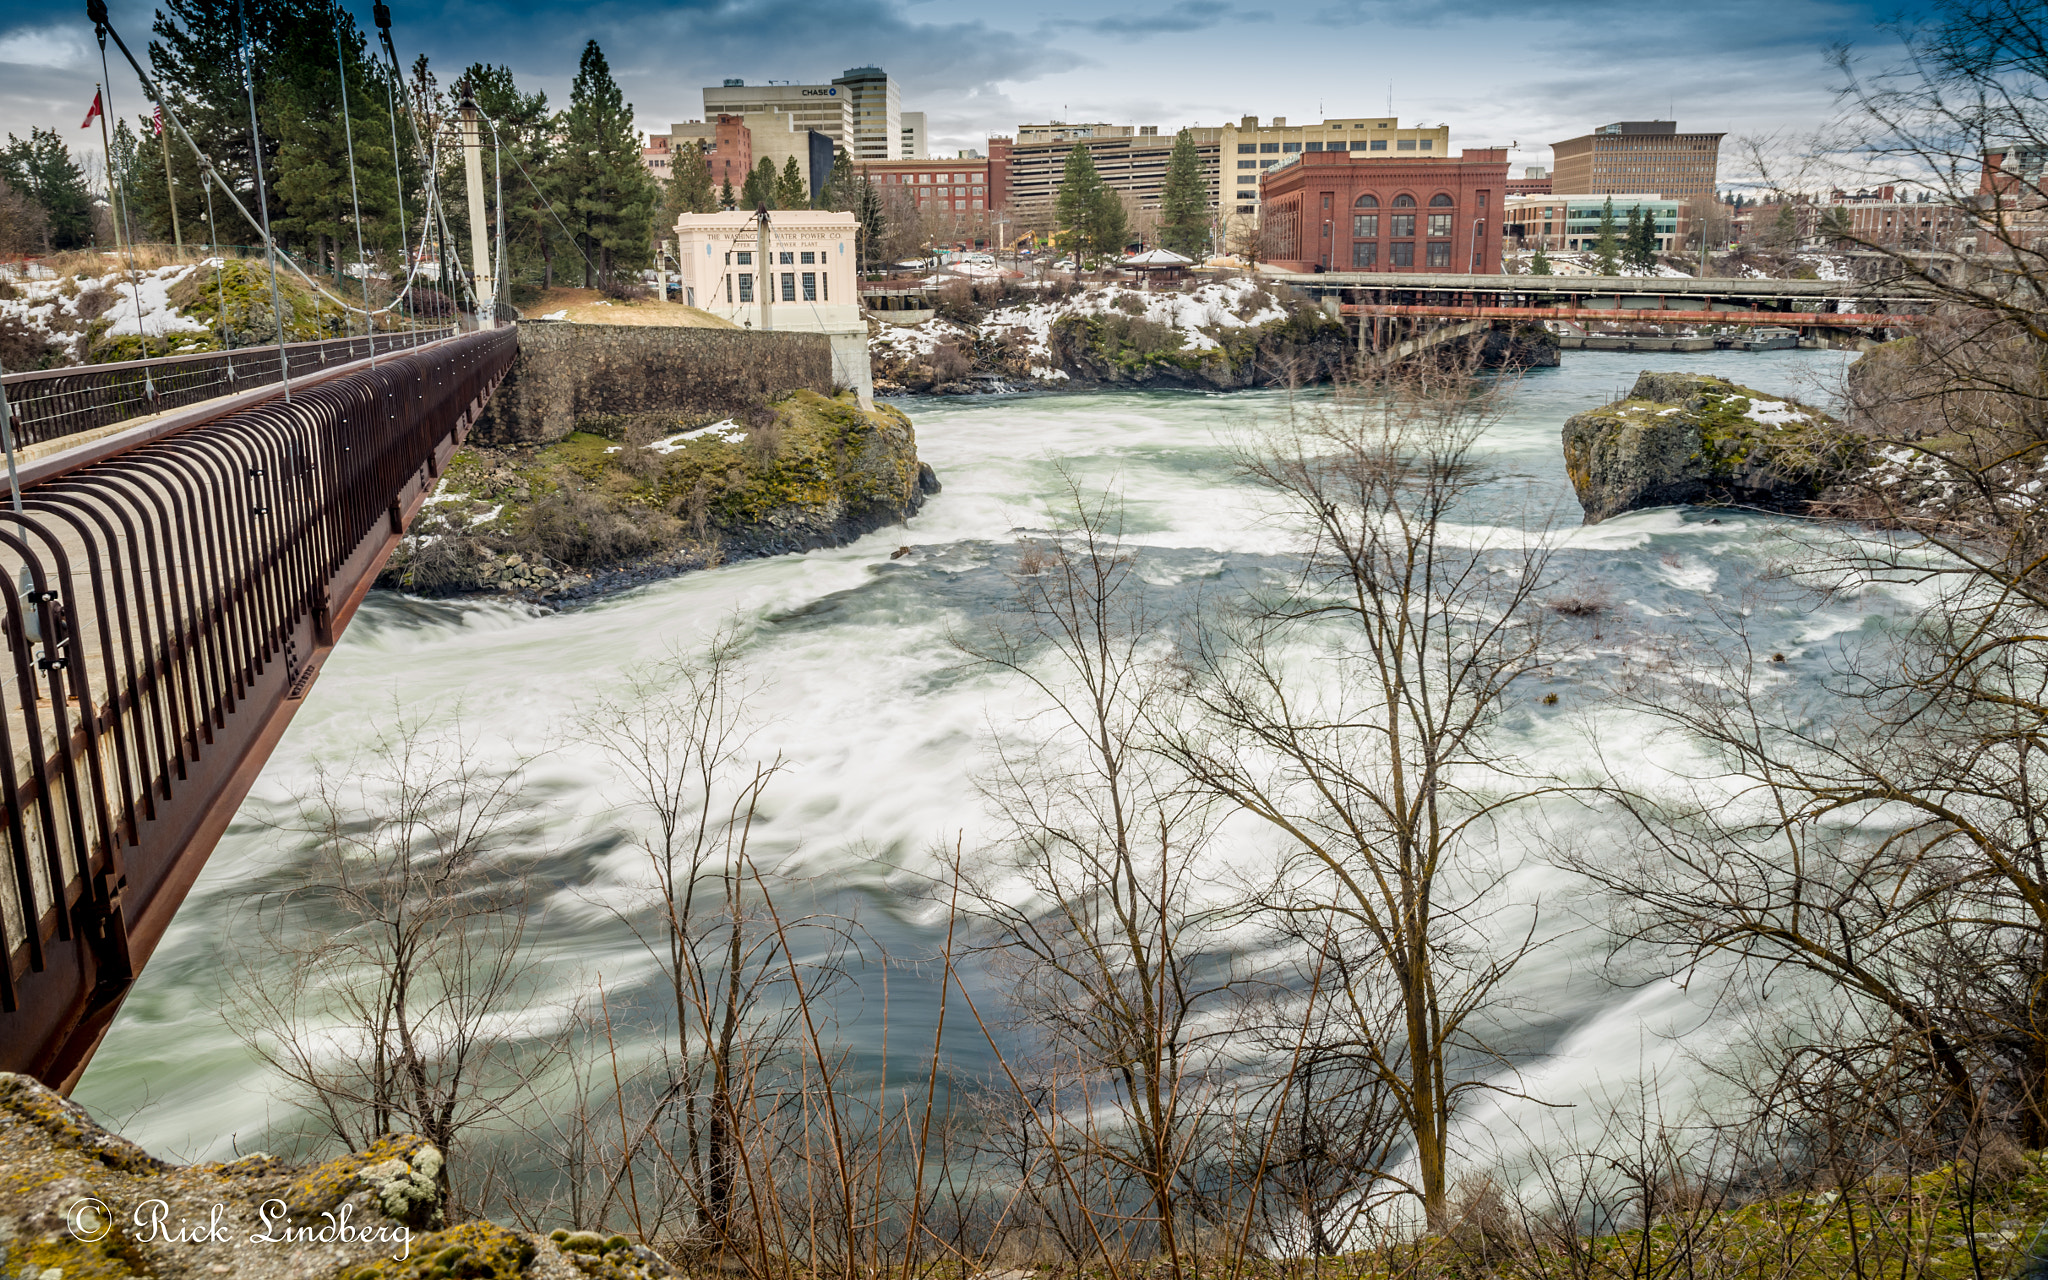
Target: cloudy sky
x=1520, y=72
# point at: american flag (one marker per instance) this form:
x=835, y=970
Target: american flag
x=158, y=123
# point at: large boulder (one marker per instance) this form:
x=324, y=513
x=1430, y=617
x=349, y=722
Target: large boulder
x=1693, y=438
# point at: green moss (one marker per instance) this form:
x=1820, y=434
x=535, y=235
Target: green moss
x=113, y=1258
x=472, y=1251
x=319, y=1189
x=69, y=1127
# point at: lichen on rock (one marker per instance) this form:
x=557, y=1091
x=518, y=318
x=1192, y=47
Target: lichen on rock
x=1693, y=438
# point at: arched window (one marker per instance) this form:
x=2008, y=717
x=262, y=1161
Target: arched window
x=1366, y=202
x=1439, y=201
x=1404, y=202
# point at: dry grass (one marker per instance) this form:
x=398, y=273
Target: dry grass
x=588, y=306
x=99, y=262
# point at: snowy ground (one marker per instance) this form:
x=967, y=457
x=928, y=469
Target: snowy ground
x=62, y=308
x=1196, y=313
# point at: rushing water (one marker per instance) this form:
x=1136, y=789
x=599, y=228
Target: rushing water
x=883, y=729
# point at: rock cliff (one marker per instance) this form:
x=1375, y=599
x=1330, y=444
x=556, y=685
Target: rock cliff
x=1691, y=438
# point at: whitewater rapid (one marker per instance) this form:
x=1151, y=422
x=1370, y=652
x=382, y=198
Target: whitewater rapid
x=883, y=728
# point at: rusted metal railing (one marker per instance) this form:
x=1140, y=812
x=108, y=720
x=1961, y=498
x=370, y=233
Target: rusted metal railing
x=51, y=403
x=163, y=609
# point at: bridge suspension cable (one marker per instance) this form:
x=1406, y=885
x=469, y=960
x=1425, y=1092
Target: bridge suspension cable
x=102, y=22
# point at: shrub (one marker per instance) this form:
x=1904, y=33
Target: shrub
x=92, y=303
x=955, y=302
x=24, y=347
x=950, y=364
x=623, y=288
x=576, y=527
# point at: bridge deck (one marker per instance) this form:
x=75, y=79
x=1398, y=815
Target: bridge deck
x=1732, y=287
x=183, y=579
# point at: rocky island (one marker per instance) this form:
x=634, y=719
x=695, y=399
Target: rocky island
x=1694, y=438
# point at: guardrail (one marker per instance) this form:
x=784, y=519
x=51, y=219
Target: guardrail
x=49, y=404
x=163, y=609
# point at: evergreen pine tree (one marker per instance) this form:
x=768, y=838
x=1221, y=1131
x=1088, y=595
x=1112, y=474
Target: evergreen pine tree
x=1078, y=206
x=792, y=191
x=1108, y=224
x=41, y=168
x=302, y=119
x=872, y=224
x=1539, y=263
x=727, y=199
x=689, y=187
x=843, y=189
x=759, y=188
x=1184, y=203
x=1644, y=251
x=1631, y=236
x=611, y=193
x=1607, y=250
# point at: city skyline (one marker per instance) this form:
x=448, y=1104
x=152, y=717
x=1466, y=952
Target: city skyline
x=1519, y=76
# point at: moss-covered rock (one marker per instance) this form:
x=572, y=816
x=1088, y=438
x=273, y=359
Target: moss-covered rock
x=87, y=1203
x=667, y=494
x=1692, y=438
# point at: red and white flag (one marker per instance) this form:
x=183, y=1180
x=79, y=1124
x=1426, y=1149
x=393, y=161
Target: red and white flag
x=157, y=124
x=93, y=114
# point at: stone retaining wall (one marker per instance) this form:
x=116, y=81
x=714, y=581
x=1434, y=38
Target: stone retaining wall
x=592, y=377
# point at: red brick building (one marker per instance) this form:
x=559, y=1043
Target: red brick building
x=961, y=187
x=999, y=171
x=1367, y=211
x=728, y=150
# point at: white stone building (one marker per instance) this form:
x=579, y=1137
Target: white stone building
x=799, y=276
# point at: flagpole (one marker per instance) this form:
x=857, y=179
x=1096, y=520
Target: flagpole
x=107, y=149
x=169, y=191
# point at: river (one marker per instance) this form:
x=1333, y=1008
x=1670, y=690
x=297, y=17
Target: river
x=883, y=729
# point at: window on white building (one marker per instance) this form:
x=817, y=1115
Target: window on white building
x=746, y=286
x=789, y=286
x=809, y=257
x=810, y=285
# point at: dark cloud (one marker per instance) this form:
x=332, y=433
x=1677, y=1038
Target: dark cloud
x=1188, y=15
x=1528, y=71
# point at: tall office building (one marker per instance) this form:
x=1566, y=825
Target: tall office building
x=826, y=108
x=1637, y=156
x=860, y=111
x=914, y=141
x=877, y=114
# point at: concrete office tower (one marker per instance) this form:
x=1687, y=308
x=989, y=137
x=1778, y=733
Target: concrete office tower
x=877, y=132
x=1637, y=155
x=914, y=142
x=826, y=108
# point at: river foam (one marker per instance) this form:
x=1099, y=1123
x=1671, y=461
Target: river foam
x=883, y=728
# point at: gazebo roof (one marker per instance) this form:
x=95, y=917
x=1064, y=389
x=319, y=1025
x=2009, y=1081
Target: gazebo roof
x=1157, y=258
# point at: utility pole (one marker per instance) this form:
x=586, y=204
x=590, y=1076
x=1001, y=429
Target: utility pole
x=479, y=229
x=767, y=274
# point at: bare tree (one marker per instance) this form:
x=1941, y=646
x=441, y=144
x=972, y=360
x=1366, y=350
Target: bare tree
x=381, y=981
x=1375, y=759
x=1096, y=918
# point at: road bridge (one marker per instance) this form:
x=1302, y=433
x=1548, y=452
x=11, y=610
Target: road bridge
x=1371, y=296
x=169, y=587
